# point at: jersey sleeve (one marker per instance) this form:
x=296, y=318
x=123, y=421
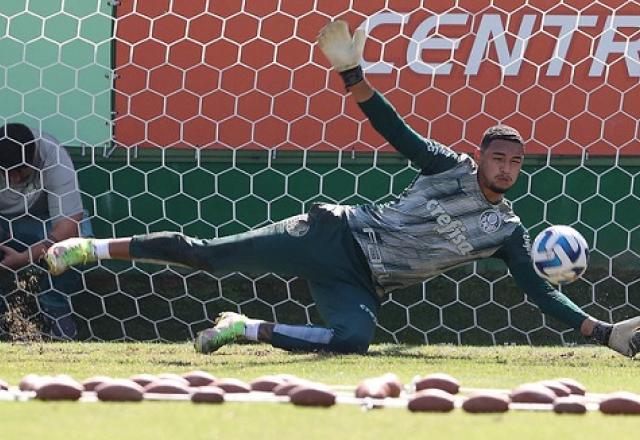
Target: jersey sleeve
x=429, y=155
x=516, y=253
x=60, y=183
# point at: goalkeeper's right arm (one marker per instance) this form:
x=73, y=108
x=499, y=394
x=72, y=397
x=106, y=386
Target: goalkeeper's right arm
x=344, y=52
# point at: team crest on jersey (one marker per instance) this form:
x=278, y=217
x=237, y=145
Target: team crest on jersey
x=297, y=226
x=490, y=221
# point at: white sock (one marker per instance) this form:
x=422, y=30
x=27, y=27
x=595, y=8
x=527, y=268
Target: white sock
x=251, y=327
x=101, y=248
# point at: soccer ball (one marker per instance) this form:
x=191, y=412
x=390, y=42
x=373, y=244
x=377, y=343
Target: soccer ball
x=560, y=254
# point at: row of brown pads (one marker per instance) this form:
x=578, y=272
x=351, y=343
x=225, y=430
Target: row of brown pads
x=437, y=392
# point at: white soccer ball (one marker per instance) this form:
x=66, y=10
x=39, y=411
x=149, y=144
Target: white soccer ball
x=560, y=254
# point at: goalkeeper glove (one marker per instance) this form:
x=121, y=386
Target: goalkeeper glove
x=343, y=51
x=623, y=337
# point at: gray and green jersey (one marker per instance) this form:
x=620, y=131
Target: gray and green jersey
x=443, y=220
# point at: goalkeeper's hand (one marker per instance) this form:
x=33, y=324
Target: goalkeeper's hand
x=343, y=51
x=625, y=337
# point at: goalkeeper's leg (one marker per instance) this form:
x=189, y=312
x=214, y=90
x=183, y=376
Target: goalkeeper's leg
x=349, y=311
x=308, y=246
x=318, y=246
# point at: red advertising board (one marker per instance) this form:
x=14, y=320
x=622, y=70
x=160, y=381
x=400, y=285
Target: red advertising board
x=247, y=74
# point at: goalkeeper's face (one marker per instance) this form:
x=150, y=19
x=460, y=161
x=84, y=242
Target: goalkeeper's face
x=499, y=165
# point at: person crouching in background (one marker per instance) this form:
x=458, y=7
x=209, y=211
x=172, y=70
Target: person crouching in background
x=40, y=204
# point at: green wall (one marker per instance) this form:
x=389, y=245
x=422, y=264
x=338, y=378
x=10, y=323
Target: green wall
x=51, y=79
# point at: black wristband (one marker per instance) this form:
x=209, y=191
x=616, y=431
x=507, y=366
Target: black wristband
x=601, y=333
x=352, y=76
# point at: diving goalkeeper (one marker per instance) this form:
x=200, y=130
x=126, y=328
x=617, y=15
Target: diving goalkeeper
x=453, y=213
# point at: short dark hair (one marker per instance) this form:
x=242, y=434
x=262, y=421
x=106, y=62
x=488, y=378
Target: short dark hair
x=17, y=145
x=503, y=132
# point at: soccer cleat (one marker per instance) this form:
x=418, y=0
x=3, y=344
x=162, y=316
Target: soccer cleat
x=73, y=251
x=229, y=327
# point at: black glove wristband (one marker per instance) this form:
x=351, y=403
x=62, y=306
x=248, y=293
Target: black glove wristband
x=352, y=76
x=601, y=333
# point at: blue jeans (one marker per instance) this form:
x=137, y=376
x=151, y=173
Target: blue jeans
x=21, y=232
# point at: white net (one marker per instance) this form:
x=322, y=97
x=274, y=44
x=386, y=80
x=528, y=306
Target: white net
x=215, y=117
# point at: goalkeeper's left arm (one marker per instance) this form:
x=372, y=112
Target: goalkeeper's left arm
x=623, y=337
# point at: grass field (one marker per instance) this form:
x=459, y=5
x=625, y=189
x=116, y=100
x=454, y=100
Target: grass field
x=498, y=367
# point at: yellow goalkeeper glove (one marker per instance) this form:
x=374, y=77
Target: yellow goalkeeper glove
x=625, y=337
x=343, y=51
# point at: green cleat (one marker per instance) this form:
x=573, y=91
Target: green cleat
x=73, y=251
x=229, y=327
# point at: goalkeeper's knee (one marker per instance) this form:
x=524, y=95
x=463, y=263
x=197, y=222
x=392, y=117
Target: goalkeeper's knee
x=350, y=341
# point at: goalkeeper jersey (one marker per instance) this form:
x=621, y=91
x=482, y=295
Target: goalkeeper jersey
x=443, y=220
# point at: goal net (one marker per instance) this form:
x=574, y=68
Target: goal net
x=216, y=117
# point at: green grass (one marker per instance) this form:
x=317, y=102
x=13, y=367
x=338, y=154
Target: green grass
x=499, y=367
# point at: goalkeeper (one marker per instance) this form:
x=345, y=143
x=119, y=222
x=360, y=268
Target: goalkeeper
x=353, y=256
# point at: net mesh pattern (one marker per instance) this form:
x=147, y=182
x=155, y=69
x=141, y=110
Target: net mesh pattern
x=216, y=117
